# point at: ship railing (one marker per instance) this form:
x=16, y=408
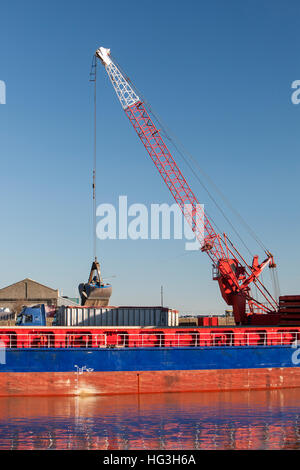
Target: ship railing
x=153, y=339
x=214, y=339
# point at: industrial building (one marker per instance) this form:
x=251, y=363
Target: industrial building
x=29, y=292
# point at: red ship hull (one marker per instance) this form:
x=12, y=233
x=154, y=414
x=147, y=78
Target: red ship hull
x=118, y=383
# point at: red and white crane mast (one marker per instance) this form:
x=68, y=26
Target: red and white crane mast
x=231, y=271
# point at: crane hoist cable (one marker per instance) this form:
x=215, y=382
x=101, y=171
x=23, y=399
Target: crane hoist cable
x=93, y=78
x=94, y=292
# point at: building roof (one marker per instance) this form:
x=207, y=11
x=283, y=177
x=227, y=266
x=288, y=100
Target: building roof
x=28, y=289
x=27, y=279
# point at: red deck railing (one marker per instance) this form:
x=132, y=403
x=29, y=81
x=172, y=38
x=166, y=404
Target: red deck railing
x=139, y=338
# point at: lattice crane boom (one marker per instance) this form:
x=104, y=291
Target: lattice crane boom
x=232, y=273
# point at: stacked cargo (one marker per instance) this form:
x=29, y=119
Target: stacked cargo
x=188, y=321
x=116, y=316
x=199, y=321
x=208, y=321
x=289, y=309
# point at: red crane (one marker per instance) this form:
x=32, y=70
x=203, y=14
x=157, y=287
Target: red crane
x=233, y=273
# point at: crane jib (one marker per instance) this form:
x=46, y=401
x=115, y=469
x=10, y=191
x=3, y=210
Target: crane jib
x=175, y=181
x=231, y=271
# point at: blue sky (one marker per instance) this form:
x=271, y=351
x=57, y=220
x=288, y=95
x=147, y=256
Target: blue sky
x=218, y=73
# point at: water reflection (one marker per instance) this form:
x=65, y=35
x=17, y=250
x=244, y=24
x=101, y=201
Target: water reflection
x=231, y=420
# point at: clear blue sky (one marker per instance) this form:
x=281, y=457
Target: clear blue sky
x=218, y=73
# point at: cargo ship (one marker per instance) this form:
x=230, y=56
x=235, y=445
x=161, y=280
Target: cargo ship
x=75, y=361
x=259, y=352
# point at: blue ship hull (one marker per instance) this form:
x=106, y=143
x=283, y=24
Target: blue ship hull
x=147, y=359
x=75, y=371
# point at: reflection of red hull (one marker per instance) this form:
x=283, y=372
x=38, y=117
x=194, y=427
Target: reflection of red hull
x=111, y=383
x=239, y=420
